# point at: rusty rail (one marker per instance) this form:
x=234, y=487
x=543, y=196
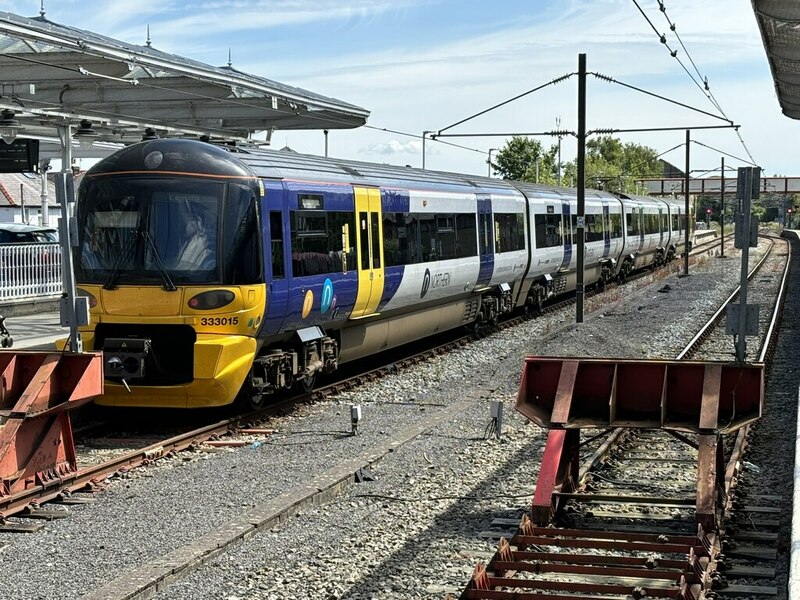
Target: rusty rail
x=579, y=393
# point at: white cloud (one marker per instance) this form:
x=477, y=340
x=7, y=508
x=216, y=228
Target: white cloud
x=235, y=16
x=416, y=87
x=395, y=146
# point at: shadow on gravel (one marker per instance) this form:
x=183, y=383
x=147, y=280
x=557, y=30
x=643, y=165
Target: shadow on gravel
x=460, y=525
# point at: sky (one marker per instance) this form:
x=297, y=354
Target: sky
x=422, y=65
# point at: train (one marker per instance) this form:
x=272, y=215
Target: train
x=218, y=274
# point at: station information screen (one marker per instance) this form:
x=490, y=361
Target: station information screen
x=22, y=155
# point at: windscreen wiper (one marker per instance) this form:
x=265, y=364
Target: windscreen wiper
x=168, y=285
x=122, y=257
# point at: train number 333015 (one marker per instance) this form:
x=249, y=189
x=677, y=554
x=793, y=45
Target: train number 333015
x=219, y=321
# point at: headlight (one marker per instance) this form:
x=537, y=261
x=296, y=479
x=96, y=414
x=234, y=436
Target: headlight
x=211, y=299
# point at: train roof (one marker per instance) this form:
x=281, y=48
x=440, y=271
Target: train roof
x=292, y=165
x=196, y=157
x=281, y=164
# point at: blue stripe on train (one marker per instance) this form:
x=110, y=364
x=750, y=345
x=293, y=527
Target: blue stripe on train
x=567, y=222
x=485, y=241
x=393, y=201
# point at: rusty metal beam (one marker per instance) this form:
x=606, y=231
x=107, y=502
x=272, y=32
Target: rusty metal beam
x=681, y=395
x=36, y=391
x=558, y=472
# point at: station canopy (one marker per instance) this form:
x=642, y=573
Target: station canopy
x=53, y=74
x=779, y=21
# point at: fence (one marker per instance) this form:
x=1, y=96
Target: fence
x=30, y=271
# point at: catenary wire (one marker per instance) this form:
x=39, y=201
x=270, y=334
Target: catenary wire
x=725, y=153
x=414, y=135
x=504, y=102
x=674, y=30
x=703, y=88
x=674, y=54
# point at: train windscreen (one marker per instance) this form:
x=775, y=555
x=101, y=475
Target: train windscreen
x=141, y=231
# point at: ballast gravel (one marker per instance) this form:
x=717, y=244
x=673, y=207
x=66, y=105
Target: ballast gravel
x=413, y=532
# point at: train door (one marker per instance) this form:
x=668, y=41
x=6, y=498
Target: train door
x=485, y=239
x=275, y=227
x=369, y=251
x=566, y=225
x=639, y=214
x=606, y=230
x=661, y=227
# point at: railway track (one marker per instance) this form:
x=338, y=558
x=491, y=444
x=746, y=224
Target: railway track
x=48, y=502
x=630, y=529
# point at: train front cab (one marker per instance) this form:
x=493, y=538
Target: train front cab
x=172, y=264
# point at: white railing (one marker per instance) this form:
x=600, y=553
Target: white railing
x=30, y=271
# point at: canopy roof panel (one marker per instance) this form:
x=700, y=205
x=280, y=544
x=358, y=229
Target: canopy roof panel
x=779, y=21
x=52, y=74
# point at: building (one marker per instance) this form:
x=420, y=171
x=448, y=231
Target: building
x=21, y=199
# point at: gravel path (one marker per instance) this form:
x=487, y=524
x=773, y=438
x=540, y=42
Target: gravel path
x=411, y=533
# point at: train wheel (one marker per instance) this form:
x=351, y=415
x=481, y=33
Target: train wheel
x=250, y=398
x=306, y=384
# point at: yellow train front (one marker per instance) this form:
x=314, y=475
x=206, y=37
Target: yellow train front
x=170, y=257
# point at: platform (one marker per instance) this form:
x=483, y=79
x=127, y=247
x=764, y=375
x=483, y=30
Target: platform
x=36, y=331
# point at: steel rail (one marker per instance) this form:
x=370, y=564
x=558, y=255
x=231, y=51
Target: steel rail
x=772, y=330
x=89, y=476
x=700, y=335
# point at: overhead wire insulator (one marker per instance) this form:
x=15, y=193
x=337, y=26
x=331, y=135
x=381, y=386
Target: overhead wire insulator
x=563, y=77
x=603, y=77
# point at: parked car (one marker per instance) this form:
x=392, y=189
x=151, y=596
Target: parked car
x=17, y=233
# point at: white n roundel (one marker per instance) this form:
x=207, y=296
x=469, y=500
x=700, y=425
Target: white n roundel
x=426, y=283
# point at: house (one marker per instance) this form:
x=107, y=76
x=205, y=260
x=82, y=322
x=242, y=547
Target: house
x=21, y=199
x=20, y=191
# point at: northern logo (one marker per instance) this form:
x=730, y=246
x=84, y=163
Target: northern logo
x=426, y=283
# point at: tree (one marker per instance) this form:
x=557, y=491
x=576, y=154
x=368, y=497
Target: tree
x=614, y=166
x=610, y=164
x=523, y=158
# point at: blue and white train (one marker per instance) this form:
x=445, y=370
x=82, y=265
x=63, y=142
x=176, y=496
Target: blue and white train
x=218, y=272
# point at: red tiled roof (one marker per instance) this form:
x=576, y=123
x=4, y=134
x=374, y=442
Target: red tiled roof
x=7, y=195
x=10, y=190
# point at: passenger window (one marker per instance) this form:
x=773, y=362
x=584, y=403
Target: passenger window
x=318, y=242
x=509, y=232
x=276, y=236
x=466, y=236
x=376, y=241
x=548, y=230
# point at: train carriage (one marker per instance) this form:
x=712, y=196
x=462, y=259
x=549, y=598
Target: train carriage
x=216, y=273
